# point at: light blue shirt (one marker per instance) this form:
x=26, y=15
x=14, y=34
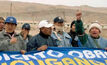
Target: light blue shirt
x=91, y=44
x=65, y=39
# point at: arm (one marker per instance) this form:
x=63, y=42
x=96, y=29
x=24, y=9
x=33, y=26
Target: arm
x=32, y=44
x=4, y=43
x=80, y=29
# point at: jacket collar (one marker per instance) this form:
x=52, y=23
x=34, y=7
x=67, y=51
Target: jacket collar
x=64, y=34
x=94, y=37
x=5, y=33
x=43, y=35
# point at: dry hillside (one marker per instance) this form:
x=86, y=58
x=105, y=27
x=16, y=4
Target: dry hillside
x=34, y=12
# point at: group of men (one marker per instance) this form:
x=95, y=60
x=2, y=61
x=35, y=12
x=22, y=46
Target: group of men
x=50, y=35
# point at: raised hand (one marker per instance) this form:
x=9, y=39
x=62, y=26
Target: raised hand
x=78, y=15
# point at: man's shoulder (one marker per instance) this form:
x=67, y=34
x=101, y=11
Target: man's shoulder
x=29, y=36
x=67, y=35
x=17, y=35
x=36, y=36
x=53, y=35
x=2, y=33
x=103, y=39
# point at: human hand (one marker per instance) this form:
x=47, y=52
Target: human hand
x=105, y=48
x=13, y=40
x=78, y=15
x=23, y=51
x=42, y=48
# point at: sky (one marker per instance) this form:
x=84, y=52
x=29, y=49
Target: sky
x=94, y=3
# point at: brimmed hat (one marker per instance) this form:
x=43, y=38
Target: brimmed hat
x=11, y=19
x=44, y=23
x=58, y=19
x=26, y=26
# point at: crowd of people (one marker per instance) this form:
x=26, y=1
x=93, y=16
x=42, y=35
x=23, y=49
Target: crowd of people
x=50, y=35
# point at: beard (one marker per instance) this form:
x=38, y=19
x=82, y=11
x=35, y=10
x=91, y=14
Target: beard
x=59, y=28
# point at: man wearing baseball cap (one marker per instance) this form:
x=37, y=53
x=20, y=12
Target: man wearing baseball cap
x=62, y=38
x=9, y=39
x=25, y=32
x=42, y=40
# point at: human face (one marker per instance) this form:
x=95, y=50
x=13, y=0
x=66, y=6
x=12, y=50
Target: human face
x=46, y=31
x=25, y=31
x=1, y=25
x=73, y=28
x=10, y=27
x=59, y=27
x=94, y=32
x=58, y=24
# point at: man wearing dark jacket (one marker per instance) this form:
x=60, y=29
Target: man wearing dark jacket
x=42, y=40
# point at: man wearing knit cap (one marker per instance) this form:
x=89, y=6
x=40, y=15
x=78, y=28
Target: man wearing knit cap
x=94, y=40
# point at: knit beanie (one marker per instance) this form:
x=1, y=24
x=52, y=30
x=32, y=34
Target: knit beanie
x=73, y=22
x=95, y=25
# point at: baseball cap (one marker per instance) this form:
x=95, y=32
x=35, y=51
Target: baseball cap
x=26, y=26
x=58, y=19
x=44, y=23
x=11, y=19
